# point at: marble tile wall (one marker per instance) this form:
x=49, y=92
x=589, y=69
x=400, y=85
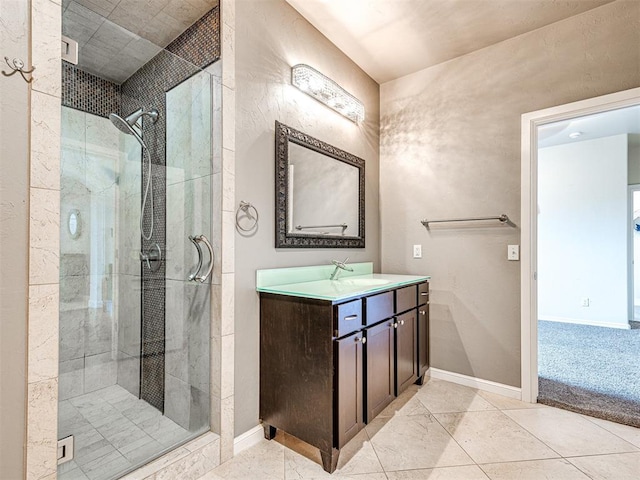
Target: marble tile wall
x=223, y=335
x=44, y=214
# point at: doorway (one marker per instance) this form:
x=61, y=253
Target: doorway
x=529, y=214
x=634, y=253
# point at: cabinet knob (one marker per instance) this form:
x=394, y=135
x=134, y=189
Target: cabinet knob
x=364, y=340
x=358, y=339
x=423, y=312
x=395, y=324
x=401, y=322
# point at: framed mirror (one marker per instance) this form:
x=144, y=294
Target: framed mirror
x=319, y=193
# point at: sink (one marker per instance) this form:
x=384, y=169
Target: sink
x=364, y=282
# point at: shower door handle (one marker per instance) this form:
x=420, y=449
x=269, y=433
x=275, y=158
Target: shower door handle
x=194, y=275
x=205, y=240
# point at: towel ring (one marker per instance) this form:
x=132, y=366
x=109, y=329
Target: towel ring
x=246, y=209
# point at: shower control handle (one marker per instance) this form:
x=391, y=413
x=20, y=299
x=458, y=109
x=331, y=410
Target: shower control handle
x=152, y=257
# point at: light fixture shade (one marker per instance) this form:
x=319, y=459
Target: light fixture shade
x=325, y=90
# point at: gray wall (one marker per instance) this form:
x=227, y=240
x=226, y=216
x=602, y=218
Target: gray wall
x=271, y=37
x=450, y=147
x=14, y=222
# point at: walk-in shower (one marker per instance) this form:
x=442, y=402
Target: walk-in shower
x=135, y=323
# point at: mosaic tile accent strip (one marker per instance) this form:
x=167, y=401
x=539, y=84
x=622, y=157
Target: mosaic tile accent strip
x=196, y=48
x=88, y=93
x=200, y=43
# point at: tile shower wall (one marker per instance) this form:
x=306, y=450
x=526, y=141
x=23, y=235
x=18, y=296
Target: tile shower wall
x=88, y=93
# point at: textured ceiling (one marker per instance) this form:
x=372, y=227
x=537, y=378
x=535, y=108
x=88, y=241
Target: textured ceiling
x=392, y=38
x=117, y=37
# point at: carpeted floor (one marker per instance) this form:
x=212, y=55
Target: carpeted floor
x=590, y=370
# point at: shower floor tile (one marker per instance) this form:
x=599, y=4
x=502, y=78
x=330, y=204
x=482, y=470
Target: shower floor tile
x=113, y=432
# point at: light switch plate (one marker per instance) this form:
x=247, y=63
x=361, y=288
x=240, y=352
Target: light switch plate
x=513, y=252
x=417, y=251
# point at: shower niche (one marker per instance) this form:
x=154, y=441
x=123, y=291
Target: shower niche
x=140, y=173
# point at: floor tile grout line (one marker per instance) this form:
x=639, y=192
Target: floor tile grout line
x=601, y=454
x=530, y=433
x=453, y=438
x=590, y=419
x=374, y=450
x=485, y=472
x=579, y=469
x=570, y=456
x=534, y=436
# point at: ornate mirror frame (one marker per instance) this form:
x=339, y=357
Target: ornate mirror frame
x=284, y=239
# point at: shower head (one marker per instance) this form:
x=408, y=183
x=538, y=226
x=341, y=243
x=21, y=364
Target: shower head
x=126, y=124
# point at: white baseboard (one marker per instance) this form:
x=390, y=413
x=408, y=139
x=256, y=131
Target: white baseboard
x=591, y=323
x=247, y=439
x=479, y=383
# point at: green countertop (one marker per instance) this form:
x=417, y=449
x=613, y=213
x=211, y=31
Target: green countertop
x=344, y=288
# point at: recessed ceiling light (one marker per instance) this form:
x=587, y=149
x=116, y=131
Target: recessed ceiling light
x=575, y=134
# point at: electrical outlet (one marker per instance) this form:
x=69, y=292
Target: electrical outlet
x=417, y=251
x=513, y=252
x=585, y=301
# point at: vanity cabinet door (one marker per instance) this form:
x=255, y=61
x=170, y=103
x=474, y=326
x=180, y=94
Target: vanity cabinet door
x=349, y=387
x=406, y=350
x=380, y=375
x=423, y=339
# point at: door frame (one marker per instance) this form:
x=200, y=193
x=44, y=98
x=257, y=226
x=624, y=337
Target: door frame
x=630, y=250
x=529, y=221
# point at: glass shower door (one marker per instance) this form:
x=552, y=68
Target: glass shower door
x=136, y=272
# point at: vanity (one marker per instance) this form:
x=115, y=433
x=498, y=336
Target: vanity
x=335, y=353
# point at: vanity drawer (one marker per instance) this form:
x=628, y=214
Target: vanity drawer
x=423, y=293
x=348, y=318
x=379, y=307
x=406, y=298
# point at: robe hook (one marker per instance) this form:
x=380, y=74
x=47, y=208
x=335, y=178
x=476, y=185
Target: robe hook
x=18, y=66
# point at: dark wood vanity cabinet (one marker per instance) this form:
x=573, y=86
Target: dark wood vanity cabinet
x=423, y=330
x=327, y=369
x=406, y=350
x=349, y=387
x=380, y=375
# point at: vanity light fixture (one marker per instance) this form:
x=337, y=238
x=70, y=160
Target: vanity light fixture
x=326, y=91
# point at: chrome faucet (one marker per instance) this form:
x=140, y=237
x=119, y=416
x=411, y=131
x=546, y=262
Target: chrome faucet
x=340, y=266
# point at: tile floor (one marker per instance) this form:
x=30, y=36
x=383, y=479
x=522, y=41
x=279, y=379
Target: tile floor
x=444, y=431
x=113, y=431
